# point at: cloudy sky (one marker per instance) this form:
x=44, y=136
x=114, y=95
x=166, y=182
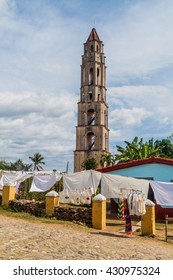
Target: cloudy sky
x=41, y=43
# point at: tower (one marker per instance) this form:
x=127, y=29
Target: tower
x=92, y=133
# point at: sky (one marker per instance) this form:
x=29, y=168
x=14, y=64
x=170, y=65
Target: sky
x=41, y=44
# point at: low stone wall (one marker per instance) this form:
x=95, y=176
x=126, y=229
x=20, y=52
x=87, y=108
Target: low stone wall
x=80, y=215
x=76, y=214
x=35, y=208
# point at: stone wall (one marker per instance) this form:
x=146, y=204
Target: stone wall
x=76, y=214
x=35, y=208
x=81, y=215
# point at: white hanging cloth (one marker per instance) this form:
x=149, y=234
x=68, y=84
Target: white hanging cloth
x=113, y=185
x=163, y=192
x=136, y=202
x=14, y=178
x=88, y=179
x=44, y=182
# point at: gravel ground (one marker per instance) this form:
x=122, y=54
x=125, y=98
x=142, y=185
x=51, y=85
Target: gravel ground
x=28, y=240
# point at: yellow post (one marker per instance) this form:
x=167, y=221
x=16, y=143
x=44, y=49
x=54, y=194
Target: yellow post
x=148, y=220
x=52, y=200
x=99, y=212
x=8, y=193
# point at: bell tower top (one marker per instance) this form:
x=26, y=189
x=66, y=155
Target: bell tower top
x=93, y=36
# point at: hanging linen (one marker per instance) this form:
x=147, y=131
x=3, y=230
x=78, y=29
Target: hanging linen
x=112, y=185
x=14, y=178
x=88, y=179
x=163, y=193
x=76, y=197
x=42, y=183
x=136, y=203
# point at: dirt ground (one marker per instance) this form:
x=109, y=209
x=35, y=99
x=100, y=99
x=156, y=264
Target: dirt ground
x=23, y=239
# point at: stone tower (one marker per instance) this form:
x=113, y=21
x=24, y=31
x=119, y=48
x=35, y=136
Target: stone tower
x=92, y=133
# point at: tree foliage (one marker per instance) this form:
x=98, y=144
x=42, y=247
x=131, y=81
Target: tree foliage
x=89, y=163
x=37, y=160
x=107, y=159
x=138, y=149
x=165, y=148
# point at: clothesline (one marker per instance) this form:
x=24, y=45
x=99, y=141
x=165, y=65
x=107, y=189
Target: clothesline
x=111, y=185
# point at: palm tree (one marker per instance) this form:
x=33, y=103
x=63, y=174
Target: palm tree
x=106, y=159
x=37, y=159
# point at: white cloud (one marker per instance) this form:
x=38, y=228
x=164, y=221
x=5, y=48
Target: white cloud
x=127, y=117
x=140, y=41
x=141, y=110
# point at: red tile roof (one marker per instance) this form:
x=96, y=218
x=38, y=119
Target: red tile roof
x=93, y=36
x=132, y=163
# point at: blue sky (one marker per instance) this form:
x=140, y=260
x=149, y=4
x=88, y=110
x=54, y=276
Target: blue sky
x=41, y=43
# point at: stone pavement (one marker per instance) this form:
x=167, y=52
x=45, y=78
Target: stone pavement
x=28, y=240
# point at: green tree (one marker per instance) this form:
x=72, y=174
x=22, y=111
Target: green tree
x=20, y=165
x=165, y=148
x=37, y=159
x=89, y=163
x=107, y=159
x=136, y=150
x=3, y=165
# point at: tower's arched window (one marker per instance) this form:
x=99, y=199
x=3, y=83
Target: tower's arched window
x=98, y=76
x=92, y=48
x=90, y=141
x=106, y=142
x=97, y=48
x=91, y=117
x=91, y=76
x=83, y=76
x=105, y=118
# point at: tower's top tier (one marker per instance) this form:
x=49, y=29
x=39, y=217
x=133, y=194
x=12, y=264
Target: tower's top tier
x=93, y=36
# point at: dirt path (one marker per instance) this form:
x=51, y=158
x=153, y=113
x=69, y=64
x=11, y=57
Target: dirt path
x=21, y=239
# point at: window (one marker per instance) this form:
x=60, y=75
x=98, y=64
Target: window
x=90, y=141
x=91, y=117
x=91, y=76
